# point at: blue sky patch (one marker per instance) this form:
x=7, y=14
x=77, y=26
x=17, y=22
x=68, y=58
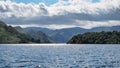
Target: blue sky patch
x=47, y=2
x=94, y=1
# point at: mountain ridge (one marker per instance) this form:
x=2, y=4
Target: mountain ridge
x=63, y=35
x=15, y=35
x=39, y=36
x=10, y=35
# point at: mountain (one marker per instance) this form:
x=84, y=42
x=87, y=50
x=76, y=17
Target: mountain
x=99, y=29
x=96, y=38
x=10, y=35
x=63, y=35
x=37, y=35
x=60, y=35
x=44, y=30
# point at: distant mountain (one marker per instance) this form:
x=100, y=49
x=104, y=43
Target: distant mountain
x=96, y=38
x=44, y=30
x=99, y=29
x=10, y=35
x=37, y=35
x=63, y=35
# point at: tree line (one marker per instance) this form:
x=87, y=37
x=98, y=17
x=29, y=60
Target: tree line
x=96, y=38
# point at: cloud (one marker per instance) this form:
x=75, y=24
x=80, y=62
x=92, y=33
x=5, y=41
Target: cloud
x=9, y=9
x=63, y=14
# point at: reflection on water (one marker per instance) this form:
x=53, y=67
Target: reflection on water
x=69, y=56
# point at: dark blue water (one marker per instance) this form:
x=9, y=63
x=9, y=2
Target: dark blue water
x=62, y=56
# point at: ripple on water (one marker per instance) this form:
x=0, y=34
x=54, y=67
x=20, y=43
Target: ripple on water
x=87, y=56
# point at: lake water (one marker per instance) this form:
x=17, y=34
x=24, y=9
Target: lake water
x=59, y=56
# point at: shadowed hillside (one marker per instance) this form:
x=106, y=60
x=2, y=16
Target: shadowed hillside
x=10, y=35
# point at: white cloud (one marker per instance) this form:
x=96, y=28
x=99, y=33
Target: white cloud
x=52, y=26
x=91, y=24
x=9, y=9
x=63, y=14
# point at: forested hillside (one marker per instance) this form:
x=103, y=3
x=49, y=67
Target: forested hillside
x=96, y=38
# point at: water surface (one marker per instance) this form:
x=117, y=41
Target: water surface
x=59, y=56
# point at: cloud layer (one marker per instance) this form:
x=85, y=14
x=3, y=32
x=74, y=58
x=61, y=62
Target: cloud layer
x=63, y=14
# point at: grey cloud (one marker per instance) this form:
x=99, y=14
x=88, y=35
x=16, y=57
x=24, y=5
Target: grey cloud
x=71, y=17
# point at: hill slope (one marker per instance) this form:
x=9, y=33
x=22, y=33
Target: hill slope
x=37, y=36
x=96, y=38
x=10, y=35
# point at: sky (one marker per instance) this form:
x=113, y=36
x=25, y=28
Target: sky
x=47, y=2
x=58, y=14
